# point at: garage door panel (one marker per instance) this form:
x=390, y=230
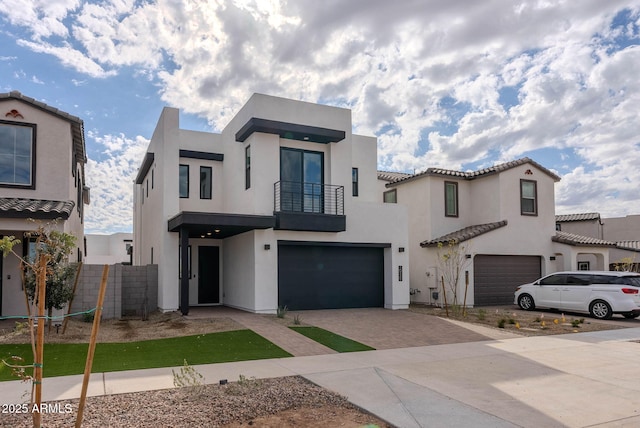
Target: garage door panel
x=329, y=277
x=496, y=277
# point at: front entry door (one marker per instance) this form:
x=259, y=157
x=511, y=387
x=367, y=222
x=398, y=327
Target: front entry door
x=208, y=275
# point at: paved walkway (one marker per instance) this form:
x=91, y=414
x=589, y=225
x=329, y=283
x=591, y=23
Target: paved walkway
x=376, y=327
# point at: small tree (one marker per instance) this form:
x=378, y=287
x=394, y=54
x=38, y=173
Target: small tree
x=48, y=268
x=452, y=261
x=56, y=247
x=627, y=264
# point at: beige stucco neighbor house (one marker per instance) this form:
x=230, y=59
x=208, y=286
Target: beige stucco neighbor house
x=42, y=160
x=621, y=234
x=503, y=217
x=282, y=208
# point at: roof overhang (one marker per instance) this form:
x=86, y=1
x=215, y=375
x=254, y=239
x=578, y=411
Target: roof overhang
x=218, y=225
x=144, y=168
x=464, y=234
x=290, y=131
x=580, y=241
x=41, y=209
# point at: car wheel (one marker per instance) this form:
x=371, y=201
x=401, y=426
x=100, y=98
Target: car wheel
x=525, y=302
x=600, y=309
x=630, y=315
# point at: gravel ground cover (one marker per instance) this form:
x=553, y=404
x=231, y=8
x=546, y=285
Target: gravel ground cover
x=281, y=402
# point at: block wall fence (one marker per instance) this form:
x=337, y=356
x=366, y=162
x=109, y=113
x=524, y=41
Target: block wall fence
x=131, y=290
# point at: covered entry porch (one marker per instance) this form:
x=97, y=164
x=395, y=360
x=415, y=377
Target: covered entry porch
x=207, y=232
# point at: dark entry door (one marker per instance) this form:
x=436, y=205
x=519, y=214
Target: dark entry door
x=208, y=275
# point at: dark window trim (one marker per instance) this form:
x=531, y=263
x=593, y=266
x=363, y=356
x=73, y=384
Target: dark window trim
x=34, y=129
x=354, y=181
x=202, y=196
x=390, y=192
x=535, y=198
x=247, y=167
x=188, y=172
x=446, y=207
x=193, y=154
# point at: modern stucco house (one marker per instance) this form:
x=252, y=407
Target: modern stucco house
x=503, y=216
x=281, y=208
x=42, y=161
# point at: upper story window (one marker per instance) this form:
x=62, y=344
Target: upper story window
x=205, y=182
x=184, y=181
x=450, y=199
x=17, y=154
x=302, y=180
x=390, y=196
x=528, y=197
x=354, y=181
x=247, y=167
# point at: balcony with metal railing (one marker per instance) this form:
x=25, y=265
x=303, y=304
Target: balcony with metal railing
x=309, y=206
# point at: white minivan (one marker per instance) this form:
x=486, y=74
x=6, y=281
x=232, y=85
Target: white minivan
x=601, y=294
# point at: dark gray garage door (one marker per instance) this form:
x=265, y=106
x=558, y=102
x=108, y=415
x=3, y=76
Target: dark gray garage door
x=496, y=277
x=330, y=277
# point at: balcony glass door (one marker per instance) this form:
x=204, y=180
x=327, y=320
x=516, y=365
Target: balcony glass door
x=301, y=180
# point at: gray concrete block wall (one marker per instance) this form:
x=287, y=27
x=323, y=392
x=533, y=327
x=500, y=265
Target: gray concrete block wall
x=127, y=287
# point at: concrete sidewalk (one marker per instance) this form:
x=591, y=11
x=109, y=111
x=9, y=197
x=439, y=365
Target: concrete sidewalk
x=578, y=380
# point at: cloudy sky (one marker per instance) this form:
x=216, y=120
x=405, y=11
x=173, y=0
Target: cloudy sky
x=450, y=83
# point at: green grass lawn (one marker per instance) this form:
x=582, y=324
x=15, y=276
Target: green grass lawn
x=331, y=340
x=70, y=358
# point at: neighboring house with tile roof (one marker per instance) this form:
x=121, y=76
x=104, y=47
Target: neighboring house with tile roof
x=42, y=177
x=502, y=216
x=622, y=232
x=282, y=208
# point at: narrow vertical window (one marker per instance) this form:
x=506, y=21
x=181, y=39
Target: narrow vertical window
x=354, y=181
x=147, y=195
x=205, y=182
x=247, y=167
x=528, y=197
x=184, y=181
x=152, y=179
x=450, y=199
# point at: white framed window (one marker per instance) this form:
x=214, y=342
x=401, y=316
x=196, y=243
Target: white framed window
x=17, y=154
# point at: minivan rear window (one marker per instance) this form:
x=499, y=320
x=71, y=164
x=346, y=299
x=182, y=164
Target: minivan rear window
x=632, y=280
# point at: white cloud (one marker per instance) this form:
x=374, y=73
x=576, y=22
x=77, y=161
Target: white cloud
x=111, y=182
x=392, y=63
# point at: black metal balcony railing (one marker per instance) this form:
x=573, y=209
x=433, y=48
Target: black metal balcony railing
x=291, y=196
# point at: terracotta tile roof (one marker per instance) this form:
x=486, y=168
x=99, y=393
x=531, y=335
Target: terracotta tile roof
x=465, y=234
x=35, y=208
x=628, y=245
x=392, y=176
x=579, y=240
x=577, y=217
x=77, y=125
x=477, y=174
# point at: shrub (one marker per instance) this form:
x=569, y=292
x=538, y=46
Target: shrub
x=281, y=311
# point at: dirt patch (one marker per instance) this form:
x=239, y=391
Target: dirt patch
x=157, y=326
x=526, y=323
